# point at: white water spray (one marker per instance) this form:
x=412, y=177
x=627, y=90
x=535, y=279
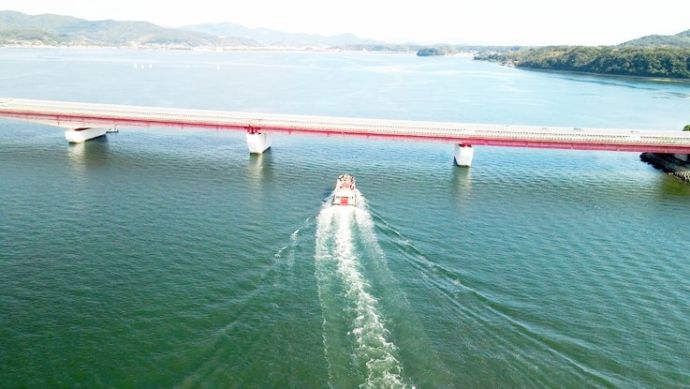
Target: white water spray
x=337, y=261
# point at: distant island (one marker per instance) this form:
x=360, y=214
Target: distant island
x=651, y=56
x=430, y=52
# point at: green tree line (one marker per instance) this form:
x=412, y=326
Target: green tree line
x=630, y=61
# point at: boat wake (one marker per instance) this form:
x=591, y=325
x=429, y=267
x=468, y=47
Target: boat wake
x=286, y=253
x=352, y=319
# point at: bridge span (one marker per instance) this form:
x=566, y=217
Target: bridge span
x=84, y=121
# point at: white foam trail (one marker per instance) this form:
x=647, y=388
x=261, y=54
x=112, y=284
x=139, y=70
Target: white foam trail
x=321, y=254
x=335, y=244
x=365, y=223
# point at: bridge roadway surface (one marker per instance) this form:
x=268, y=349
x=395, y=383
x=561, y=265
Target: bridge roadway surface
x=77, y=115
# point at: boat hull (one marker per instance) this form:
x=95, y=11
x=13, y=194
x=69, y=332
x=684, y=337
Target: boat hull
x=344, y=199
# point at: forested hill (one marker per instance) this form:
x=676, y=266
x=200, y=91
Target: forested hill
x=22, y=29
x=666, y=56
x=679, y=40
x=666, y=62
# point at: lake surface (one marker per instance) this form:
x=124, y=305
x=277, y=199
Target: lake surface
x=167, y=258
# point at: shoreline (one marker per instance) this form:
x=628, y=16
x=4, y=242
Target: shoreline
x=581, y=73
x=218, y=49
x=608, y=75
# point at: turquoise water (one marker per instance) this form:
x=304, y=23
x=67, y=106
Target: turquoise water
x=162, y=258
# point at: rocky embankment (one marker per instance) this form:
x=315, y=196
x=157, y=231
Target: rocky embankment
x=669, y=163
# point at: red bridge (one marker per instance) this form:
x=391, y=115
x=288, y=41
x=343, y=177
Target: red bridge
x=85, y=121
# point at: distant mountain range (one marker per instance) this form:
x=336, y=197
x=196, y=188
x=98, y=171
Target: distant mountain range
x=268, y=37
x=53, y=30
x=17, y=28
x=47, y=29
x=679, y=40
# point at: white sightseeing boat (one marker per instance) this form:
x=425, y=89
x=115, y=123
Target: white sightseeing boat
x=345, y=192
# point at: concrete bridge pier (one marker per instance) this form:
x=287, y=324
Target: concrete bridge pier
x=258, y=142
x=80, y=135
x=463, y=155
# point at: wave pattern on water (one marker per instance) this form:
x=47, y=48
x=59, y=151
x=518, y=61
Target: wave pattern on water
x=449, y=283
x=337, y=262
x=287, y=252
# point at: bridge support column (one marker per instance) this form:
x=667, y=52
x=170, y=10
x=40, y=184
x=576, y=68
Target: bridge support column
x=79, y=135
x=463, y=155
x=258, y=142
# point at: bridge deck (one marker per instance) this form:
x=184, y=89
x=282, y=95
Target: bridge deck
x=73, y=115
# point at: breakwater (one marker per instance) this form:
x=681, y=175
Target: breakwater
x=670, y=163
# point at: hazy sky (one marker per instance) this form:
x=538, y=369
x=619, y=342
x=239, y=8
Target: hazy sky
x=537, y=22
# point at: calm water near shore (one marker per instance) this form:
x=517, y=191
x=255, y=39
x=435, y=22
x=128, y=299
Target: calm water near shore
x=162, y=258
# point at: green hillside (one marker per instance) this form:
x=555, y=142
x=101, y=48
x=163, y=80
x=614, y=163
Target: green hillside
x=19, y=28
x=666, y=62
x=665, y=56
x=679, y=40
